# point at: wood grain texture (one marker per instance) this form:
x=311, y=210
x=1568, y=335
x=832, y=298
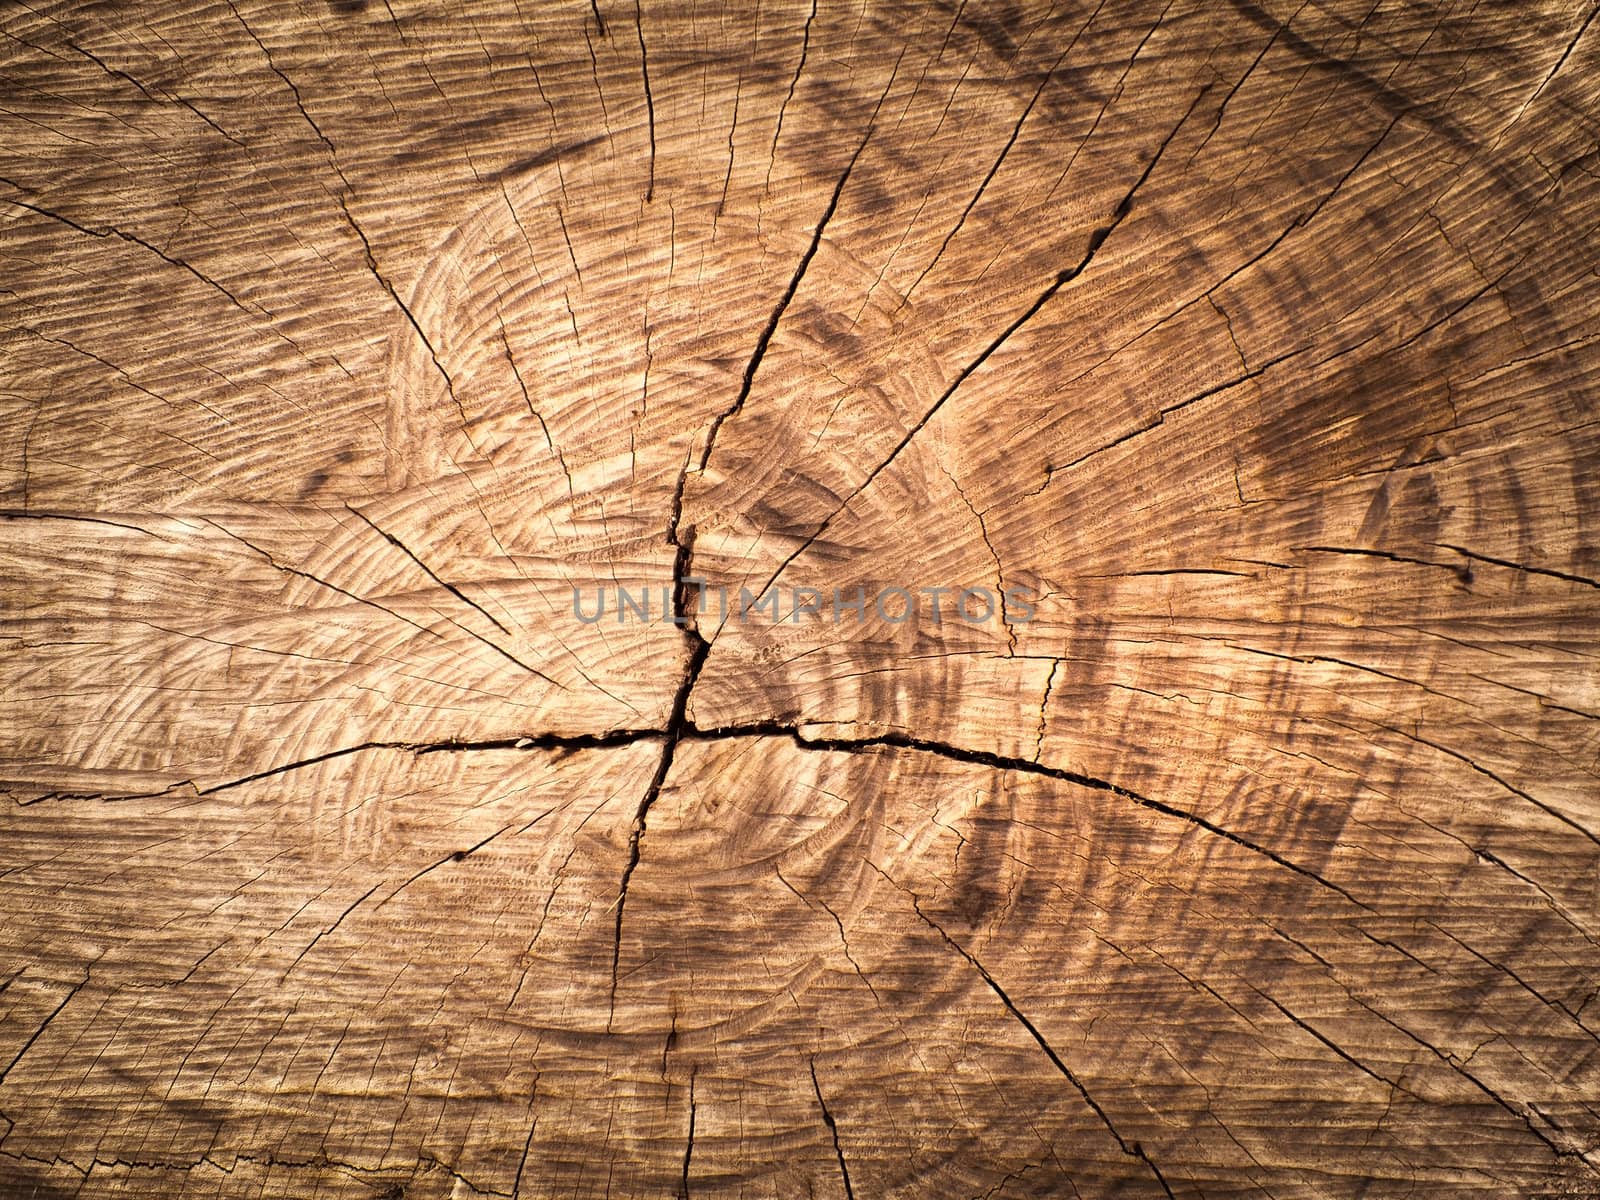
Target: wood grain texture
x=1257, y=344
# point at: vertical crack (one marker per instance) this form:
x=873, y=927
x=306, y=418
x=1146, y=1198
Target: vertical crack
x=688, y=1149
x=681, y=537
x=805, y=48
x=649, y=100
x=833, y=1130
x=999, y=569
x=1044, y=704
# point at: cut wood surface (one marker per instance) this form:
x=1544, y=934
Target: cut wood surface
x=1244, y=355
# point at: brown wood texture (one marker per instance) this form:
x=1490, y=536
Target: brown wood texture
x=1252, y=345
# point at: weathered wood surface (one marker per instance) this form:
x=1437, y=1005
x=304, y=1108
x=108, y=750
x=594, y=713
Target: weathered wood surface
x=339, y=343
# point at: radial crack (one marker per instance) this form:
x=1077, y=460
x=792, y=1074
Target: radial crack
x=132, y=239
x=1131, y=1149
x=1096, y=240
x=45, y=1024
x=459, y=595
x=405, y=309
x=1011, y=141
x=1026, y=766
x=783, y=303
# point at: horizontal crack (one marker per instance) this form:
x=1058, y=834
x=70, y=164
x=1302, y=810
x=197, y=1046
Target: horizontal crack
x=1008, y=763
x=545, y=741
x=680, y=729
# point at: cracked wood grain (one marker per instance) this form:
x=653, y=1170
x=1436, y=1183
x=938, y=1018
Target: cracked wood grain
x=1248, y=845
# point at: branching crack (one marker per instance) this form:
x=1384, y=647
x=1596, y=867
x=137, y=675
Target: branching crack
x=1096, y=240
x=680, y=728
